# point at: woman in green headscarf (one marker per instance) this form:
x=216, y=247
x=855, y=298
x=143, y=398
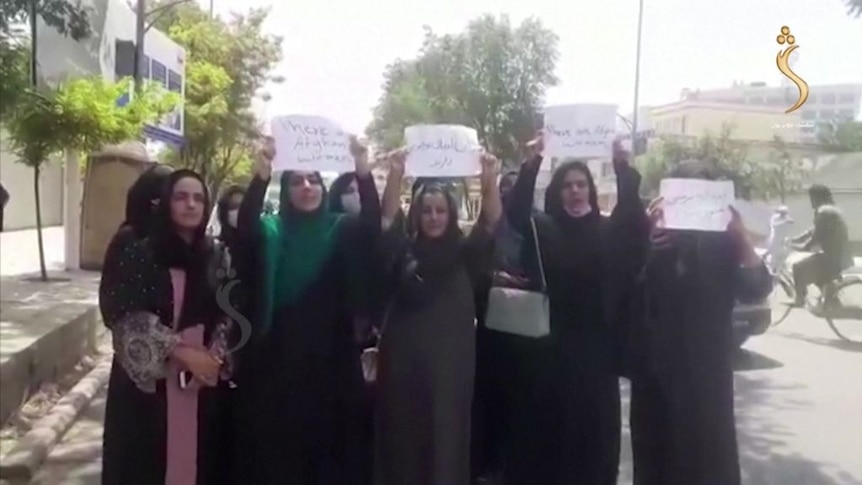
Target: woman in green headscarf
x=301, y=382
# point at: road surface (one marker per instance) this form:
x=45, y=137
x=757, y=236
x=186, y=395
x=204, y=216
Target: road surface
x=799, y=414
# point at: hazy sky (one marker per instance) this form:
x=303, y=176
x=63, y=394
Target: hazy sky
x=335, y=50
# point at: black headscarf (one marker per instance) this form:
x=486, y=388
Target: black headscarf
x=338, y=188
x=554, y=200
x=139, y=199
x=435, y=257
x=228, y=233
x=171, y=251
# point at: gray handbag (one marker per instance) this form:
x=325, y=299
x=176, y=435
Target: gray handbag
x=518, y=311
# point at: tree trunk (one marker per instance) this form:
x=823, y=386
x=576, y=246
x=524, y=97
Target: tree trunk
x=43, y=270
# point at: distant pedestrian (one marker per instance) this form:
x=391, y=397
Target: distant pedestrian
x=4, y=199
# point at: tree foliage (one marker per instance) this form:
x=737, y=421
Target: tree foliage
x=854, y=7
x=80, y=116
x=14, y=75
x=842, y=137
x=67, y=17
x=491, y=77
x=728, y=160
x=228, y=64
x=781, y=174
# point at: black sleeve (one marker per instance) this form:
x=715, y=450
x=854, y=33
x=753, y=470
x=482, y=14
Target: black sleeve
x=124, y=287
x=519, y=209
x=629, y=224
x=478, y=253
x=370, y=213
x=248, y=219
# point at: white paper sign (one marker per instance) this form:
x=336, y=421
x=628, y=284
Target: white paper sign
x=580, y=131
x=310, y=143
x=442, y=151
x=697, y=205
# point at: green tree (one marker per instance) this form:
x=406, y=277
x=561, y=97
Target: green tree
x=728, y=160
x=781, y=174
x=227, y=66
x=80, y=116
x=67, y=17
x=491, y=77
x=841, y=137
x=14, y=75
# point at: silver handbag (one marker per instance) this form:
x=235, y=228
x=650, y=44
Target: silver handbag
x=518, y=311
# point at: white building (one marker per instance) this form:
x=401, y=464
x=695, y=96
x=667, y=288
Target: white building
x=826, y=103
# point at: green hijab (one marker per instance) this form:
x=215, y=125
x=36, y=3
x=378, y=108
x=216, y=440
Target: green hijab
x=296, y=246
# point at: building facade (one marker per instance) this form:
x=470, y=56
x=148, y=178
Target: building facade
x=826, y=103
x=697, y=118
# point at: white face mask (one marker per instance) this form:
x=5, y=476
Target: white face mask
x=232, y=216
x=351, y=203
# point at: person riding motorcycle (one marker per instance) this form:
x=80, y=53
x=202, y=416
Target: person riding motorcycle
x=829, y=233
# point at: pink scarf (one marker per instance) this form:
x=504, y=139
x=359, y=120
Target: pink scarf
x=182, y=446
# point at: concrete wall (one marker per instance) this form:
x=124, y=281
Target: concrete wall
x=20, y=212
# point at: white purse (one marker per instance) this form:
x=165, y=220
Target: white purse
x=518, y=311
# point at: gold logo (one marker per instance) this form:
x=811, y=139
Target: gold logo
x=782, y=61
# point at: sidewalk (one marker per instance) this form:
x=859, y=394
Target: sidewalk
x=77, y=459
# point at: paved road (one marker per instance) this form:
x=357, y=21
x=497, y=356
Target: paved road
x=799, y=409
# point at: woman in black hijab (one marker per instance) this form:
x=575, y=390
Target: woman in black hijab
x=571, y=430
x=143, y=197
x=157, y=298
x=682, y=403
x=427, y=352
x=227, y=212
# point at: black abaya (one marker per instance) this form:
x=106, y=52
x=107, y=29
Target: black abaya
x=301, y=415
x=569, y=431
x=682, y=404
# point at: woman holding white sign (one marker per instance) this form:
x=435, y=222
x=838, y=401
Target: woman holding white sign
x=570, y=431
x=301, y=406
x=427, y=352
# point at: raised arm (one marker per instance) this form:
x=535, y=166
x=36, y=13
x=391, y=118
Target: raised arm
x=248, y=219
x=519, y=207
x=392, y=192
x=492, y=205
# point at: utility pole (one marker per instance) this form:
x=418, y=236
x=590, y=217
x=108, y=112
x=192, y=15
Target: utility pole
x=637, y=73
x=140, y=32
x=34, y=64
x=211, y=8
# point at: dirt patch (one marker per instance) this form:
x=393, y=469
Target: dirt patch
x=48, y=394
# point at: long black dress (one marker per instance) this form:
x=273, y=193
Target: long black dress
x=427, y=362
x=682, y=407
x=300, y=412
x=135, y=437
x=570, y=431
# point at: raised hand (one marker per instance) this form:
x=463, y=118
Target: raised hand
x=490, y=168
x=621, y=156
x=263, y=158
x=659, y=237
x=360, y=156
x=537, y=145
x=397, y=161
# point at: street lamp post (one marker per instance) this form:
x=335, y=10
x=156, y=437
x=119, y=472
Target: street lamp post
x=637, y=70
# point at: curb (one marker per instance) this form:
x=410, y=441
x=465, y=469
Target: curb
x=22, y=461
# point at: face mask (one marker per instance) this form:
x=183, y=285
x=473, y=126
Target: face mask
x=232, y=216
x=351, y=203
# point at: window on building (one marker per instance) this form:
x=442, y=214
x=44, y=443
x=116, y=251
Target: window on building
x=175, y=82
x=845, y=115
x=827, y=115
x=847, y=98
x=809, y=115
x=774, y=100
x=682, y=129
x=160, y=73
x=812, y=98
x=827, y=98
x=755, y=100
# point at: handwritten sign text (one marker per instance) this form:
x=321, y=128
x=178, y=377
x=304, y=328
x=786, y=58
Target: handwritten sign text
x=697, y=205
x=442, y=150
x=580, y=131
x=310, y=143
